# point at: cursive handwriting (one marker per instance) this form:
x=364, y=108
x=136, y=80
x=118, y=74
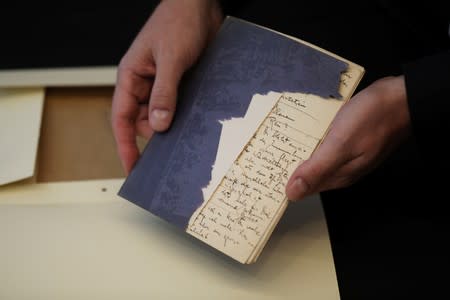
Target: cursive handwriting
x=241, y=209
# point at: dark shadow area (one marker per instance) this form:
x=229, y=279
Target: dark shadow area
x=69, y=34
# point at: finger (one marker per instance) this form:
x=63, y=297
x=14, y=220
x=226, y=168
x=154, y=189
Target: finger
x=349, y=173
x=164, y=94
x=308, y=177
x=336, y=181
x=123, y=124
x=143, y=128
x=124, y=113
x=340, y=179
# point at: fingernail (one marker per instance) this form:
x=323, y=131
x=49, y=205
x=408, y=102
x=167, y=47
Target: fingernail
x=159, y=118
x=300, y=188
x=160, y=114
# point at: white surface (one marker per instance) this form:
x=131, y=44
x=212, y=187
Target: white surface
x=74, y=241
x=20, y=123
x=53, y=77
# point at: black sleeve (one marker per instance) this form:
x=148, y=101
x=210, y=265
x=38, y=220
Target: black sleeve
x=229, y=7
x=428, y=91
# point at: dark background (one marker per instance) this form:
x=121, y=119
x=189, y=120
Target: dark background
x=389, y=231
x=68, y=35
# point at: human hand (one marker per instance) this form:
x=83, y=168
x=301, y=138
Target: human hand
x=363, y=133
x=148, y=75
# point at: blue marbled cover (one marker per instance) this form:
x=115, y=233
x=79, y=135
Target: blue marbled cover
x=243, y=60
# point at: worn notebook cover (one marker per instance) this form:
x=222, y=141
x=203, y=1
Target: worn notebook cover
x=243, y=61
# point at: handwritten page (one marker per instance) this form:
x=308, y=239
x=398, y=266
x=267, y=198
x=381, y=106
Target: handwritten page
x=244, y=203
x=242, y=208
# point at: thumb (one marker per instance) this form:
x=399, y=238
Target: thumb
x=164, y=94
x=309, y=176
